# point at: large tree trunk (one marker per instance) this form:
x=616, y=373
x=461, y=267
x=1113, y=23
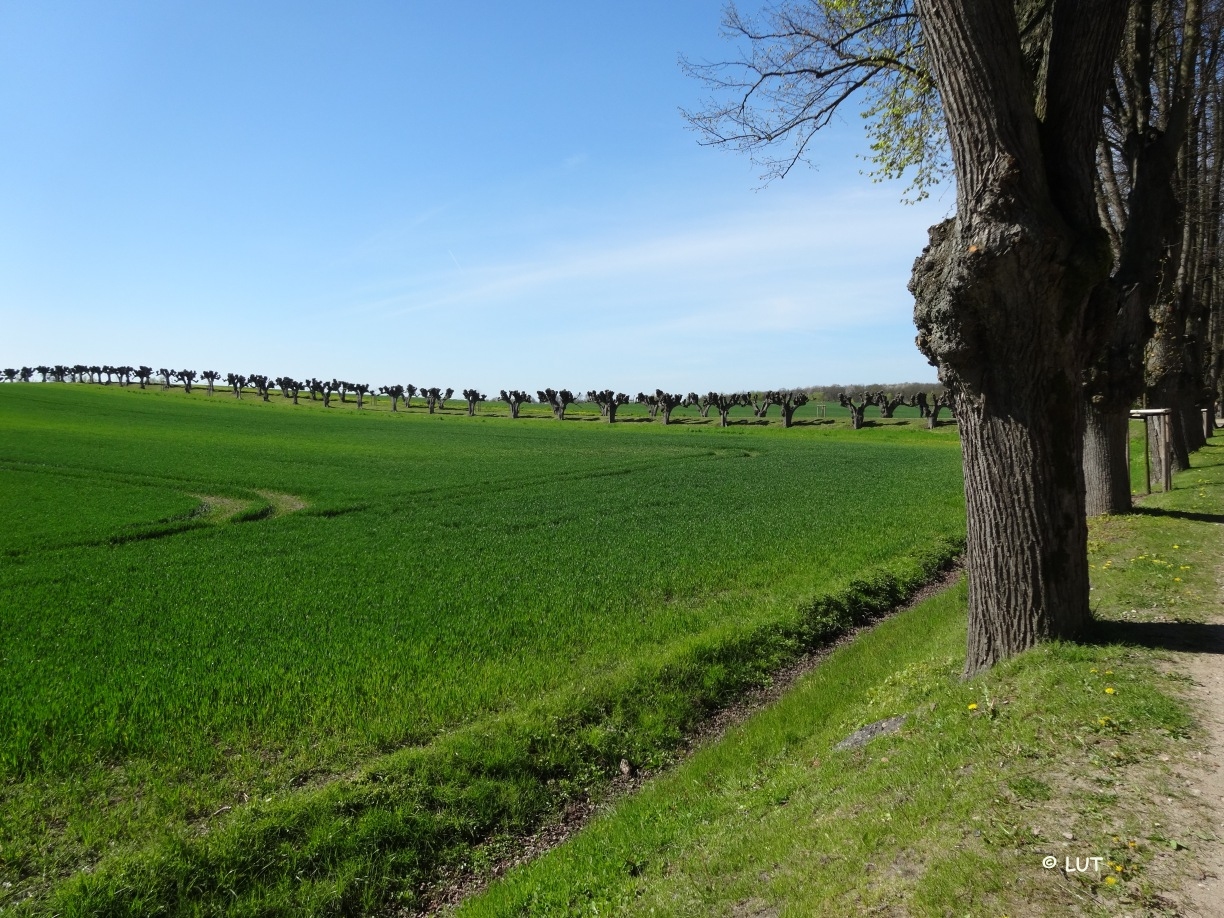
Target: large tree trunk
x=1001, y=295
x=1020, y=413
x=1106, y=473
x=1192, y=424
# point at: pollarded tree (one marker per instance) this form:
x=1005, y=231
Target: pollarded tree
x=443, y=397
x=701, y=402
x=409, y=391
x=888, y=404
x=395, y=393
x=143, y=374
x=167, y=377
x=939, y=402
x=514, y=398
x=290, y=387
x=261, y=384
x=42, y=371
x=362, y=389
x=10, y=374
x=210, y=377
x=761, y=403
x=473, y=397
x=556, y=399
x=27, y=374
x=326, y=389
x=650, y=401
x=110, y=372
x=724, y=402
x=667, y=402
x=789, y=401
x=236, y=383
x=856, y=408
x=431, y=396
x=919, y=401
x=187, y=378
x=608, y=401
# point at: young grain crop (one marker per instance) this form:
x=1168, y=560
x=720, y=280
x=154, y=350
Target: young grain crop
x=442, y=571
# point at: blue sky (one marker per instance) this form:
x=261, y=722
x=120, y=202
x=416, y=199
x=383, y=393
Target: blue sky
x=489, y=194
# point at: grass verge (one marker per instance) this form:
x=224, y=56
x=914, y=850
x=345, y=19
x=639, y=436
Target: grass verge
x=1069, y=752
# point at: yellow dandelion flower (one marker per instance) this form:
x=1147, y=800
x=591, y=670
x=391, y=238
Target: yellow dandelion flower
x=1093, y=670
x=1110, y=881
x=1109, y=690
x=1177, y=580
x=1109, y=672
x=1177, y=546
x=1104, y=721
x=1118, y=868
x=973, y=707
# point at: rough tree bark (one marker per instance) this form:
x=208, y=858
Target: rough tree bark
x=1001, y=296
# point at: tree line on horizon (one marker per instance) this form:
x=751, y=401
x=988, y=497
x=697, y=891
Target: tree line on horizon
x=659, y=404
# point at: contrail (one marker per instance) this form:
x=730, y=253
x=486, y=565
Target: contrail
x=454, y=259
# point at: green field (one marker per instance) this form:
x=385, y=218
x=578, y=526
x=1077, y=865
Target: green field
x=226, y=621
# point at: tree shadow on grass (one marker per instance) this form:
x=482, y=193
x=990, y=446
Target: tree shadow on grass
x=1192, y=637
x=1180, y=514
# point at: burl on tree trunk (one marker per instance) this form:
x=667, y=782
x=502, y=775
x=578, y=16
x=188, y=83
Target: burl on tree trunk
x=1001, y=297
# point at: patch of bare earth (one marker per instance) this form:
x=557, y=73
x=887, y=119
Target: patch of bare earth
x=282, y=503
x=455, y=886
x=217, y=509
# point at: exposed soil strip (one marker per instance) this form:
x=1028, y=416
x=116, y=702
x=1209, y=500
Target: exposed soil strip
x=1205, y=665
x=217, y=509
x=455, y=886
x=282, y=503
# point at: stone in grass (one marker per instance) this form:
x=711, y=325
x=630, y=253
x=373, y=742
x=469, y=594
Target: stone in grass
x=864, y=735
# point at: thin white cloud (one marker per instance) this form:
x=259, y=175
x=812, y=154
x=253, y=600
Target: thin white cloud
x=828, y=242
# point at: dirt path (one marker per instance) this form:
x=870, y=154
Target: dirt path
x=1206, y=668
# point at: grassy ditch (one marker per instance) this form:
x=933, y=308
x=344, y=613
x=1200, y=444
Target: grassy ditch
x=1070, y=751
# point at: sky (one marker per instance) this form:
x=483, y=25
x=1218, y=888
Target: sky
x=462, y=194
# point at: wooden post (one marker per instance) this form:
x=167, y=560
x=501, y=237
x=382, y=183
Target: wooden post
x=1147, y=458
x=1166, y=459
x=1157, y=446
